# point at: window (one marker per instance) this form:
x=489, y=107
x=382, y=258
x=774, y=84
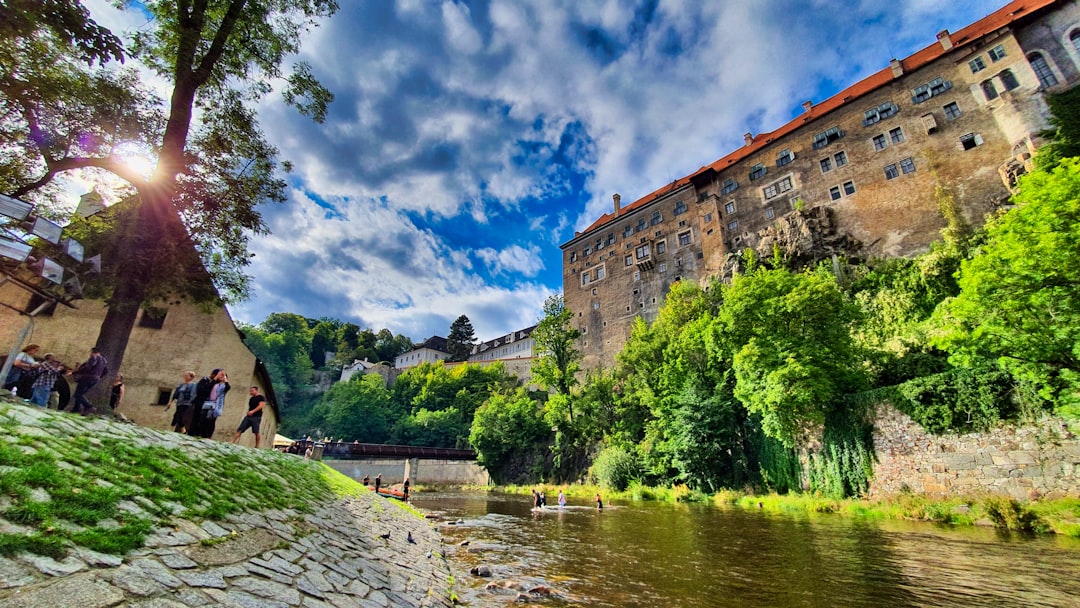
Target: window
x=1042, y=70
x=1074, y=38
x=989, y=90
x=153, y=318
x=637, y=275
x=663, y=267
x=891, y=172
x=977, y=64
x=1008, y=80
x=997, y=53
x=596, y=305
x=599, y=244
x=834, y=193
x=627, y=231
x=657, y=233
x=936, y=86
x=642, y=252
x=840, y=158
x=610, y=240
x=729, y=208
x=594, y=291
x=769, y=213
x=784, y=158
x=827, y=137
x=585, y=278
x=600, y=273
x=684, y=238
x=680, y=208
x=826, y=165
x=629, y=260
x=573, y=257
x=656, y=218
x=776, y=188
x=970, y=140
x=733, y=225
x=879, y=113
x=907, y=165
x=849, y=188
x=730, y=185
x=896, y=135
x=661, y=247
x=757, y=171
x=952, y=111
x=588, y=250
x=879, y=142
x=641, y=225
x=708, y=218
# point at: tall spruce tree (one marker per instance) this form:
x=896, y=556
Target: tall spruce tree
x=461, y=340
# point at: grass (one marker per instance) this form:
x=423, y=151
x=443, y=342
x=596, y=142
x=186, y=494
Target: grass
x=107, y=493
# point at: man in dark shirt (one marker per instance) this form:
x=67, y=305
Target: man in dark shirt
x=253, y=418
x=86, y=377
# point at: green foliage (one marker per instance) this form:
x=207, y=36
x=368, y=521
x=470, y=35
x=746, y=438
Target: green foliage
x=1065, y=137
x=557, y=361
x=507, y=424
x=615, y=468
x=1009, y=514
x=357, y=410
x=778, y=465
x=1020, y=294
x=959, y=400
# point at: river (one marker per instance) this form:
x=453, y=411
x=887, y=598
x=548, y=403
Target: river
x=659, y=554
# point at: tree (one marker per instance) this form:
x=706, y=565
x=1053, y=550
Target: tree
x=557, y=361
x=358, y=410
x=1019, y=296
x=218, y=56
x=505, y=426
x=461, y=340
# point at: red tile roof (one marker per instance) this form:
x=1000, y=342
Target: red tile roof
x=1010, y=13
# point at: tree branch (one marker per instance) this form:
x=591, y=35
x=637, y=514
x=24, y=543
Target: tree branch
x=221, y=37
x=112, y=165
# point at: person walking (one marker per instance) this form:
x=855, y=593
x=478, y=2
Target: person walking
x=48, y=371
x=212, y=407
x=253, y=419
x=23, y=364
x=87, y=375
x=183, y=397
x=202, y=394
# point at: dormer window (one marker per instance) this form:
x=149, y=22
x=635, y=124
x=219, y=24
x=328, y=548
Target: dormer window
x=827, y=137
x=680, y=208
x=874, y=115
x=730, y=185
x=936, y=86
x=784, y=158
x=757, y=171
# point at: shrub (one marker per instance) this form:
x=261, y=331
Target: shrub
x=615, y=467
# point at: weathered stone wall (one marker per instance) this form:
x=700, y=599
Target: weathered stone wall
x=1020, y=461
x=456, y=472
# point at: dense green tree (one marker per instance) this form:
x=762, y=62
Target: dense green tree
x=324, y=338
x=557, y=357
x=357, y=410
x=507, y=426
x=460, y=341
x=1020, y=295
x=218, y=56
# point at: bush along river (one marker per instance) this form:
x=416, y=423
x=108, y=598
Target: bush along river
x=689, y=555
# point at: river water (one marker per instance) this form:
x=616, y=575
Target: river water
x=659, y=554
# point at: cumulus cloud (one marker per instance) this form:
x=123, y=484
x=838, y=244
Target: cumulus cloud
x=513, y=259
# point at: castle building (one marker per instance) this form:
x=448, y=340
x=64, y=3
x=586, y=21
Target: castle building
x=857, y=174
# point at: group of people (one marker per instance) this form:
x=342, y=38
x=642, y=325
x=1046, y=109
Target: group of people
x=200, y=404
x=378, y=485
x=540, y=500
x=44, y=382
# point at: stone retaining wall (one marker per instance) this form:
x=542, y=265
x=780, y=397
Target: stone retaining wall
x=1040, y=460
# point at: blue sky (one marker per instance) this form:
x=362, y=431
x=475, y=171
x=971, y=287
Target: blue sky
x=469, y=139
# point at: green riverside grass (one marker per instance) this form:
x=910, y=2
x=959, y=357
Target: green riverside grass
x=1058, y=516
x=107, y=494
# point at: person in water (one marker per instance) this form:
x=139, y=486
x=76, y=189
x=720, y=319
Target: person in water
x=543, y=500
x=599, y=503
x=562, y=499
x=536, y=500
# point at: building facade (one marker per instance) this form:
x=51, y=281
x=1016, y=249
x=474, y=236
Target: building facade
x=430, y=351
x=856, y=174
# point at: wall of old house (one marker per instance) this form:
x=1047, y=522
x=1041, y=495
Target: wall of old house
x=189, y=339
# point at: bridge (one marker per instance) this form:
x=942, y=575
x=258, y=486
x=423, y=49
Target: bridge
x=420, y=464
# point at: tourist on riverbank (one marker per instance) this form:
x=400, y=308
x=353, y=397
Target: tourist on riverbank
x=378, y=482
x=207, y=410
x=367, y=481
x=47, y=372
x=253, y=419
x=562, y=499
x=23, y=364
x=182, y=396
x=405, y=488
x=117, y=394
x=87, y=375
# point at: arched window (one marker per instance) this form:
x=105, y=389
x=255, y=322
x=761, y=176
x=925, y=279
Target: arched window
x=1009, y=80
x=989, y=90
x=1042, y=70
x=1074, y=38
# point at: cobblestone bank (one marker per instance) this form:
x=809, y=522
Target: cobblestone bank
x=1041, y=460
x=360, y=550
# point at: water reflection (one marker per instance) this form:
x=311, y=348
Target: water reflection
x=695, y=555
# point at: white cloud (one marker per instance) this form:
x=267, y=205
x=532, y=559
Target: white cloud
x=513, y=259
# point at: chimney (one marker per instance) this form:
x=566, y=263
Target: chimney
x=807, y=105
x=896, y=67
x=618, y=208
x=944, y=39
x=748, y=138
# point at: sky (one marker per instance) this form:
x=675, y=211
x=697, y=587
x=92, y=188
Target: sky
x=468, y=140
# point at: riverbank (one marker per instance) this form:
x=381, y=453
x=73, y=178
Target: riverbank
x=99, y=513
x=1052, y=516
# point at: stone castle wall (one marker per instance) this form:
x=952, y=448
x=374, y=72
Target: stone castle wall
x=1039, y=460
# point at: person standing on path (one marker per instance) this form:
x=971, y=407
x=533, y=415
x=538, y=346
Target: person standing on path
x=406, y=489
x=208, y=410
x=253, y=419
x=86, y=376
x=117, y=394
x=48, y=371
x=183, y=397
